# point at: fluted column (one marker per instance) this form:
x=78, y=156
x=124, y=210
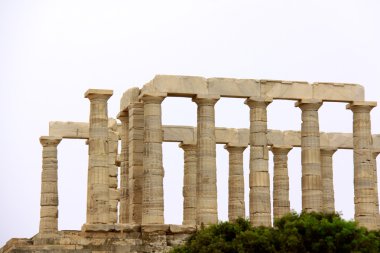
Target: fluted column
x=281, y=203
x=310, y=156
x=363, y=164
x=114, y=194
x=98, y=206
x=236, y=204
x=375, y=153
x=207, y=207
x=153, y=188
x=328, y=201
x=124, y=165
x=136, y=150
x=49, y=185
x=259, y=194
x=189, y=184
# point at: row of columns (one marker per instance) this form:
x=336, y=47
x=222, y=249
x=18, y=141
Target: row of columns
x=141, y=194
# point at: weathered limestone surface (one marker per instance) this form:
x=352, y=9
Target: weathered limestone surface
x=124, y=168
x=259, y=191
x=281, y=203
x=375, y=153
x=136, y=150
x=49, y=186
x=190, y=86
x=310, y=156
x=98, y=165
x=365, y=207
x=153, y=188
x=328, y=200
x=189, y=184
x=236, y=203
x=188, y=134
x=207, y=208
x=114, y=194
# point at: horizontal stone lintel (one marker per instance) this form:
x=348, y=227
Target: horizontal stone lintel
x=232, y=136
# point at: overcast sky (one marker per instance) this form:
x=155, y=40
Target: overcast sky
x=51, y=52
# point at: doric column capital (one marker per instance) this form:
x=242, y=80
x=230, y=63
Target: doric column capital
x=328, y=151
x=375, y=153
x=95, y=94
x=231, y=148
x=123, y=116
x=361, y=106
x=258, y=102
x=153, y=98
x=209, y=100
x=309, y=104
x=188, y=146
x=50, y=141
x=281, y=149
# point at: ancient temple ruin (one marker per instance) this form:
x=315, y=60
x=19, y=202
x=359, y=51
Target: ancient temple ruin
x=129, y=217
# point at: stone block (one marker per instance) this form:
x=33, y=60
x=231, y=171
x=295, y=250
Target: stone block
x=338, y=92
x=293, y=90
x=230, y=87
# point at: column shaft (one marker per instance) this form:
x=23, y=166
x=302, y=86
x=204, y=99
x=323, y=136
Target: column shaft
x=189, y=184
x=236, y=204
x=98, y=208
x=114, y=195
x=124, y=165
x=310, y=156
x=207, y=207
x=49, y=186
x=281, y=203
x=136, y=150
x=153, y=188
x=376, y=197
x=364, y=189
x=259, y=194
x=328, y=201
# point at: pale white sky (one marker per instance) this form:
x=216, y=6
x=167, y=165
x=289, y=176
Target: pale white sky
x=51, y=52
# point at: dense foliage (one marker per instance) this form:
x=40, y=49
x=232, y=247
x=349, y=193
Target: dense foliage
x=305, y=232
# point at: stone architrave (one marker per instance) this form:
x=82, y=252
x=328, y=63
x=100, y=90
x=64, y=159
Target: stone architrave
x=259, y=194
x=328, y=200
x=136, y=150
x=49, y=185
x=124, y=165
x=189, y=184
x=207, y=207
x=365, y=213
x=114, y=195
x=153, y=188
x=310, y=156
x=375, y=153
x=281, y=203
x=98, y=206
x=236, y=204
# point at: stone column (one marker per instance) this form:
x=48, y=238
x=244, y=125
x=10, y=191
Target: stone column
x=363, y=164
x=328, y=201
x=259, y=193
x=49, y=185
x=124, y=165
x=136, y=150
x=153, y=188
x=236, y=204
x=281, y=203
x=310, y=156
x=375, y=153
x=114, y=195
x=189, y=184
x=98, y=208
x=207, y=207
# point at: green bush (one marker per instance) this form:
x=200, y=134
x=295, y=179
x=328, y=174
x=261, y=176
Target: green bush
x=305, y=232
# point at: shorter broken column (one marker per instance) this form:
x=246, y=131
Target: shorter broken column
x=189, y=184
x=281, y=203
x=236, y=204
x=49, y=185
x=328, y=205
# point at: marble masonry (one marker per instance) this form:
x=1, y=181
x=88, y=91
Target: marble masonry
x=125, y=193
